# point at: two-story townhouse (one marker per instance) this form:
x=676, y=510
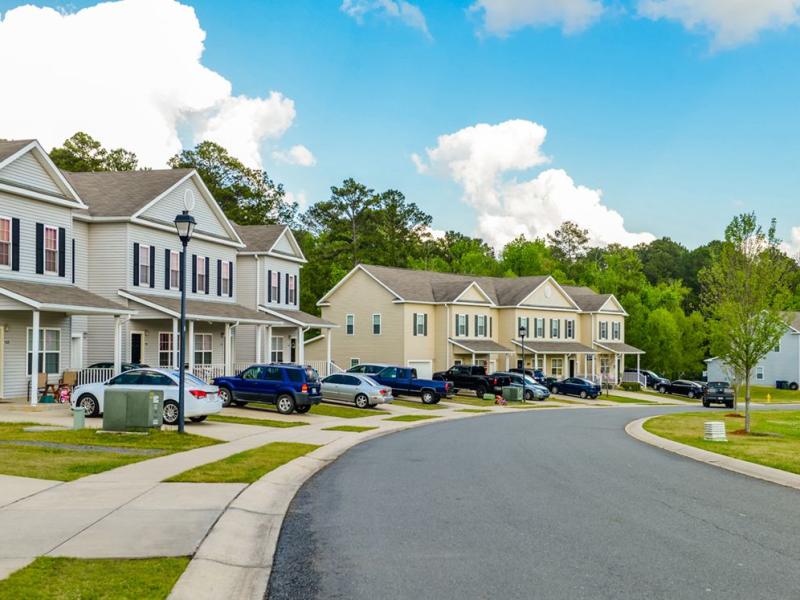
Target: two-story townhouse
x=44, y=298
x=269, y=281
x=432, y=320
x=135, y=257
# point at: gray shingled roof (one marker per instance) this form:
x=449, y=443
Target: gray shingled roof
x=556, y=347
x=259, y=238
x=298, y=316
x=122, y=193
x=620, y=347
x=795, y=320
x=59, y=294
x=11, y=147
x=197, y=309
x=479, y=346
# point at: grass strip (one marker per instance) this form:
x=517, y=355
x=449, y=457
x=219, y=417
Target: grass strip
x=260, y=422
x=410, y=418
x=625, y=400
x=774, y=441
x=353, y=428
x=245, y=467
x=62, y=464
x=327, y=410
x=49, y=578
x=420, y=405
x=470, y=401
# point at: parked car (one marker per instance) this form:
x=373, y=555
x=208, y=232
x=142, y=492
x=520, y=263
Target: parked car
x=682, y=387
x=123, y=366
x=361, y=390
x=200, y=399
x=652, y=379
x=536, y=374
x=576, y=386
x=404, y=382
x=368, y=368
x=468, y=377
x=533, y=390
x=289, y=387
x=718, y=392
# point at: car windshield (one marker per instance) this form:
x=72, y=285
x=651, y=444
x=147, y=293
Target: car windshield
x=720, y=385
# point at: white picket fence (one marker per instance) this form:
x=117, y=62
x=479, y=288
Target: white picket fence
x=94, y=375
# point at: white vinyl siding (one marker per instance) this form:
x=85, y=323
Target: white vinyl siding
x=28, y=171
x=171, y=205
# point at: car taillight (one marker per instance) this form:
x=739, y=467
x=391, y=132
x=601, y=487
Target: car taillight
x=382, y=392
x=198, y=393
x=304, y=387
x=494, y=381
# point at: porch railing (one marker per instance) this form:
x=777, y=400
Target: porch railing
x=94, y=375
x=325, y=368
x=209, y=372
x=634, y=378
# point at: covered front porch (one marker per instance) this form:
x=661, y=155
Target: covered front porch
x=611, y=356
x=299, y=322
x=557, y=359
x=487, y=353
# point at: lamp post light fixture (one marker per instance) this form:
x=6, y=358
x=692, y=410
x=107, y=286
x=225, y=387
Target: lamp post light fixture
x=522, y=333
x=185, y=224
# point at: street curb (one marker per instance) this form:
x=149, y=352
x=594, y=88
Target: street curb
x=235, y=558
x=636, y=430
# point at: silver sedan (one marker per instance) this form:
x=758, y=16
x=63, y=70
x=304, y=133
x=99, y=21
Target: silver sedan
x=361, y=390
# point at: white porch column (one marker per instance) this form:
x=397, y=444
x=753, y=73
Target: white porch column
x=299, y=349
x=594, y=361
x=544, y=364
x=259, y=342
x=175, y=344
x=190, y=345
x=328, y=352
x=34, y=396
x=638, y=373
x=228, y=358
x=473, y=358
x=508, y=359
x=117, y=344
x=268, y=358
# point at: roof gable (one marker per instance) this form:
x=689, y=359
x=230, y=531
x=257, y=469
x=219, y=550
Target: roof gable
x=611, y=304
x=25, y=165
x=549, y=294
x=473, y=293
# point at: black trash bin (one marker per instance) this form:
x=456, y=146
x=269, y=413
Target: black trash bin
x=782, y=385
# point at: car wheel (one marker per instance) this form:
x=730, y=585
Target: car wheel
x=729, y=404
x=480, y=391
x=583, y=395
x=690, y=395
x=662, y=389
x=89, y=404
x=239, y=403
x=793, y=386
x=171, y=412
x=362, y=401
x=302, y=409
x=554, y=389
x=199, y=419
x=705, y=404
x=226, y=396
x=528, y=395
x=428, y=397
x=285, y=404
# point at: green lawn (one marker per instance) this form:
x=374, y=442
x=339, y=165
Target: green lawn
x=68, y=464
x=327, y=410
x=247, y=466
x=353, y=428
x=409, y=418
x=774, y=441
x=625, y=400
x=669, y=396
x=758, y=393
x=470, y=401
x=261, y=422
x=94, y=579
x=418, y=404
x=473, y=410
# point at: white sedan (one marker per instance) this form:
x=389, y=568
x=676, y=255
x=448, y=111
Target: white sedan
x=200, y=399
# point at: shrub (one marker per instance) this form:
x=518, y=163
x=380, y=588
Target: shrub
x=631, y=386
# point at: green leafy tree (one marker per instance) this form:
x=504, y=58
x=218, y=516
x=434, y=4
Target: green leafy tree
x=745, y=293
x=81, y=153
x=524, y=257
x=247, y=196
x=569, y=242
x=401, y=227
x=458, y=253
x=663, y=260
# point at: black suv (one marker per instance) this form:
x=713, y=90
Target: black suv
x=652, y=379
x=468, y=377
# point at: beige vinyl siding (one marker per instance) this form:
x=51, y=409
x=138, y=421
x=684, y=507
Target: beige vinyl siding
x=548, y=295
x=609, y=318
x=418, y=347
x=547, y=315
x=28, y=171
x=438, y=328
x=165, y=210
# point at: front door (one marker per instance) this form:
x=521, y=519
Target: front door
x=572, y=367
x=136, y=347
x=293, y=350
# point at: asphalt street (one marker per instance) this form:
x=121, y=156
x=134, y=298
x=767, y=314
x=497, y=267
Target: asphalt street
x=542, y=504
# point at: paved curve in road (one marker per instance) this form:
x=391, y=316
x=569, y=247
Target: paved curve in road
x=545, y=504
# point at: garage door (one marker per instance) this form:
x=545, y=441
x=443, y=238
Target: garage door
x=424, y=368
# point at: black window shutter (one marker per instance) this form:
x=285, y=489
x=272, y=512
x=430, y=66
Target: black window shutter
x=456, y=332
x=135, y=263
x=278, y=299
x=167, y=266
x=286, y=297
x=62, y=252
x=414, y=324
x=180, y=271
x=490, y=326
x=152, y=266
x=476, y=324
x=269, y=285
x=296, y=291
x=15, y=244
x=194, y=273
x=230, y=279
x=40, y=248
x=208, y=273
x=73, y=260
x=425, y=324
x=466, y=325
x=219, y=277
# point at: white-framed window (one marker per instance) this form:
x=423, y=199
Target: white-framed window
x=165, y=349
x=480, y=326
x=555, y=328
x=202, y=348
x=144, y=264
x=605, y=365
x=292, y=297
x=50, y=249
x=354, y=362
x=419, y=325
x=557, y=367
x=376, y=324
x=569, y=329
x=457, y=362
x=616, y=331
x=526, y=323
x=777, y=347
x=538, y=325
x=275, y=286
x=277, y=350
x=225, y=277
x=603, y=333
x=350, y=325
x=760, y=374
x=461, y=325
x=539, y=362
x=5, y=242
x=49, y=350
x=174, y=269
x=200, y=269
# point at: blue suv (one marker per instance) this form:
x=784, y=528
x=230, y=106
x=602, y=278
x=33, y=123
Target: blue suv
x=289, y=387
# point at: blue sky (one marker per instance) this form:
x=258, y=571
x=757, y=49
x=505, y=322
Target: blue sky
x=678, y=135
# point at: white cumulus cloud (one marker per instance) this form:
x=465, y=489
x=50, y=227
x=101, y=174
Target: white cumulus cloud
x=730, y=22
x=405, y=12
x=501, y=17
x=296, y=155
x=480, y=158
x=130, y=74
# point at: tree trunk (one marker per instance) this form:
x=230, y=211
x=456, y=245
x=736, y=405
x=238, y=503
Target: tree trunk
x=747, y=404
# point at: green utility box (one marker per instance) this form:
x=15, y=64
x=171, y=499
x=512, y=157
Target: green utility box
x=512, y=393
x=132, y=410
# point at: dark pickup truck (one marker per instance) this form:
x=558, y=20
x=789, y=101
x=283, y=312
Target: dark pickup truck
x=718, y=392
x=404, y=382
x=468, y=377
